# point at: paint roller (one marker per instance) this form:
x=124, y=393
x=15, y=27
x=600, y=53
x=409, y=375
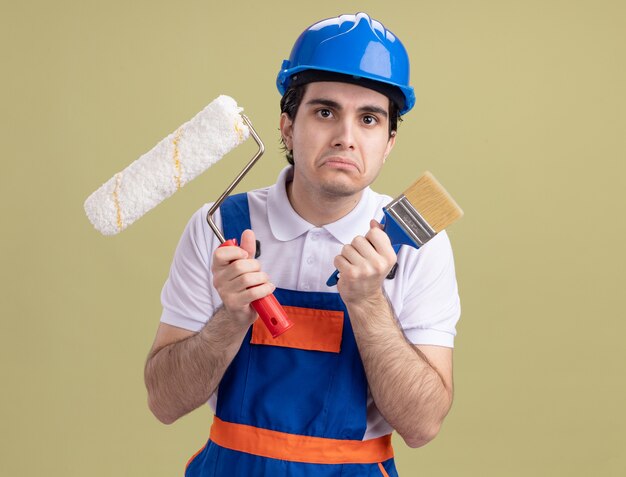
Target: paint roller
x=173, y=162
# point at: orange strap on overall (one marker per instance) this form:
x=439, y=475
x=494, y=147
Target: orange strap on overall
x=298, y=448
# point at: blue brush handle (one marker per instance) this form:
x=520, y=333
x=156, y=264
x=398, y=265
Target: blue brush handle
x=334, y=278
x=396, y=234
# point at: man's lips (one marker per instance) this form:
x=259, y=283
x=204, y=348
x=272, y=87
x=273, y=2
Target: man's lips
x=337, y=162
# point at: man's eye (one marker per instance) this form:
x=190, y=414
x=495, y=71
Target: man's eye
x=325, y=113
x=369, y=119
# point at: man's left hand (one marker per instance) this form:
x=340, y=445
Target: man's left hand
x=364, y=264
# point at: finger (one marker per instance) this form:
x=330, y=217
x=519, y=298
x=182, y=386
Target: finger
x=249, y=280
x=341, y=263
x=379, y=240
x=248, y=242
x=258, y=292
x=237, y=268
x=223, y=256
x=364, y=248
x=353, y=254
x=242, y=300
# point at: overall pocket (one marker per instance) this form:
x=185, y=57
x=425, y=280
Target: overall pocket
x=290, y=378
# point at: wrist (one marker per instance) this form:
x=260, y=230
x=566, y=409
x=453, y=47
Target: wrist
x=368, y=303
x=223, y=325
x=240, y=321
x=373, y=311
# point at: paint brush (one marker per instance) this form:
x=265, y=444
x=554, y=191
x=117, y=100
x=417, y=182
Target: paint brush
x=416, y=216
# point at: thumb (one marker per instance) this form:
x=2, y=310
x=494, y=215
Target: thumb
x=376, y=225
x=248, y=242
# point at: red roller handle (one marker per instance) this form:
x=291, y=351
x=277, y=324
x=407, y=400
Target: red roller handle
x=268, y=308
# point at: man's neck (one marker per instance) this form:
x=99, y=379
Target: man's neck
x=320, y=210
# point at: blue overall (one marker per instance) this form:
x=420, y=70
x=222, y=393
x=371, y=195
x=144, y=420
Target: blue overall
x=296, y=391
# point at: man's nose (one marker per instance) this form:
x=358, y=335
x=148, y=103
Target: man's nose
x=344, y=134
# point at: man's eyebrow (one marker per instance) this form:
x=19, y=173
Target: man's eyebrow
x=335, y=105
x=324, y=102
x=374, y=109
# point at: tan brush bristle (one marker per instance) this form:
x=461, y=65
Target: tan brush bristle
x=433, y=202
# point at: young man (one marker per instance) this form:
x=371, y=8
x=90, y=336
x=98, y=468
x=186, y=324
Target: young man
x=377, y=353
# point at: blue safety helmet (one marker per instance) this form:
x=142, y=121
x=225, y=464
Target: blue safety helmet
x=352, y=48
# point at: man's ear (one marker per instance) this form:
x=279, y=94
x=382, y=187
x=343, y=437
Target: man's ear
x=390, y=144
x=286, y=130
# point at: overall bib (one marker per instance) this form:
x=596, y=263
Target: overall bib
x=295, y=405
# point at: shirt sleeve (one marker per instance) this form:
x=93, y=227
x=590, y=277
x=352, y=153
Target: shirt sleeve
x=431, y=306
x=188, y=297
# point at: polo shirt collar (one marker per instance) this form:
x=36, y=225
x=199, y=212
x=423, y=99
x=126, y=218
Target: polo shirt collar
x=286, y=224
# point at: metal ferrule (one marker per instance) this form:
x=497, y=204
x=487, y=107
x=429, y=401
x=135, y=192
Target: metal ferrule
x=409, y=219
x=237, y=180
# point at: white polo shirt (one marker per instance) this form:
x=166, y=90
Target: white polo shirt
x=299, y=256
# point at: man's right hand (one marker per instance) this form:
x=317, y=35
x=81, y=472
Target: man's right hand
x=238, y=279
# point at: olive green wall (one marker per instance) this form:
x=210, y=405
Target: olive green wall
x=520, y=113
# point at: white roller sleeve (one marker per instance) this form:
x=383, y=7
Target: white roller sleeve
x=180, y=157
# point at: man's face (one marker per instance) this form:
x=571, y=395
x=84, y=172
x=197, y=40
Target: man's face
x=340, y=138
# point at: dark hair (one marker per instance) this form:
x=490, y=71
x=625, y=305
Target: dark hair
x=290, y=103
